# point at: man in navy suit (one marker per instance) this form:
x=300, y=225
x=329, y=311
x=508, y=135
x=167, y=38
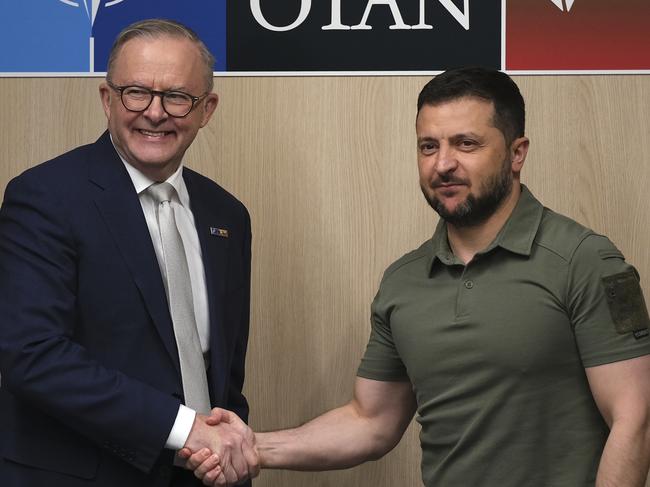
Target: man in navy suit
x=92, y=390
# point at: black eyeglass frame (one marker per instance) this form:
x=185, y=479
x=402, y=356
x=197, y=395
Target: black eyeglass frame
x=161, y=94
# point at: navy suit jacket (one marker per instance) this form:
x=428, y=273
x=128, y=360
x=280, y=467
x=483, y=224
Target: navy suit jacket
x=90, y=373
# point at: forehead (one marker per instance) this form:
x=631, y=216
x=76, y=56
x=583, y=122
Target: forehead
x=462, y=114
x=160, y=60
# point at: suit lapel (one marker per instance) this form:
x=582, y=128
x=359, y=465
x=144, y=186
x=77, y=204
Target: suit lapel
x=214, y=250
x=120, y=208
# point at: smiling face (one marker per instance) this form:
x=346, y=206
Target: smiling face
x=466, y=170
x=152, y=141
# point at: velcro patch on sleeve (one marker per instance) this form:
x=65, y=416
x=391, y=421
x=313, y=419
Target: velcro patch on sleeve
x=626, y=303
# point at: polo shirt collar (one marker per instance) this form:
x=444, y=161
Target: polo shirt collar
x=440, y=249
x=516, y=236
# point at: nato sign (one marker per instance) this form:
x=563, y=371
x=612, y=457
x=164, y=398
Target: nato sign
x=50, y=37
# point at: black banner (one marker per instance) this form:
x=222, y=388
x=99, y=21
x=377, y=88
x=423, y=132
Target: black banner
x=362, y=35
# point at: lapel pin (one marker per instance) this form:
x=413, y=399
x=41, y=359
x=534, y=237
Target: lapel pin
x=219, y=232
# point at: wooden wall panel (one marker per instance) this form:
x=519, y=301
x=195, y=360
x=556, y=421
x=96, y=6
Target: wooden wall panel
x=327, y=169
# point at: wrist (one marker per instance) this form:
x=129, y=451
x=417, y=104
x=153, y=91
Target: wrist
x=267, y=450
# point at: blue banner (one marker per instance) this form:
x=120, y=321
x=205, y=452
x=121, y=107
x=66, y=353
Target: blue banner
x=75, y=36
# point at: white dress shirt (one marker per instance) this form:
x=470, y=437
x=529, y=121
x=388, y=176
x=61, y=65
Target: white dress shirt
x=187, y=229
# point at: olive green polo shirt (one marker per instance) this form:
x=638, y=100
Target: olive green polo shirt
x=496, y=349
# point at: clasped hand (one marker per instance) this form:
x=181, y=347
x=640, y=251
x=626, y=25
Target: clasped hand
x=221, y=449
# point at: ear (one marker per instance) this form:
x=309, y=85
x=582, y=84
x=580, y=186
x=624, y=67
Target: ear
x=105, y=96
x=518, y=153
x=209, y=106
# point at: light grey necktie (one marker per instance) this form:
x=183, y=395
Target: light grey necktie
x=181, y=305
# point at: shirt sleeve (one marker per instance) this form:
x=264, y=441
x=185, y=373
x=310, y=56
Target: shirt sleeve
x=381, y=360
x=181, y=429
x=606, y=304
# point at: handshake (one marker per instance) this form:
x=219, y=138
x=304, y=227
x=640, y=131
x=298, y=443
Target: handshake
x=221, y=449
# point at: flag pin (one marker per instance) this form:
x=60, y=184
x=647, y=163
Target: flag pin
x=219, y=232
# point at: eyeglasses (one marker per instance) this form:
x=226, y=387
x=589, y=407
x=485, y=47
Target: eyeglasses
x=175, y=103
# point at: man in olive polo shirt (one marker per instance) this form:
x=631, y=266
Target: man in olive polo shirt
x=519, y=336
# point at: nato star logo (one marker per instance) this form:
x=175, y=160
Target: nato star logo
x=560, y=4
x=50, y=36
x=91, y=7
x=94, y=7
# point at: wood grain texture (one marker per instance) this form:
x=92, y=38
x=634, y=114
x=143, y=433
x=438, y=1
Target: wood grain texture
x=327, y=169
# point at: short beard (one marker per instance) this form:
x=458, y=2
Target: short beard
x=475, y=210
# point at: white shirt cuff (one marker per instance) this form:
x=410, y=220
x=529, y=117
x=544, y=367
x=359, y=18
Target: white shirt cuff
x=181, y=429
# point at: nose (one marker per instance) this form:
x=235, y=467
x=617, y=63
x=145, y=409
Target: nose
x=155, y=111
x=446, y=160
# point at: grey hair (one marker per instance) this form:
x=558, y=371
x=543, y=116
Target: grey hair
x=156, y=28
